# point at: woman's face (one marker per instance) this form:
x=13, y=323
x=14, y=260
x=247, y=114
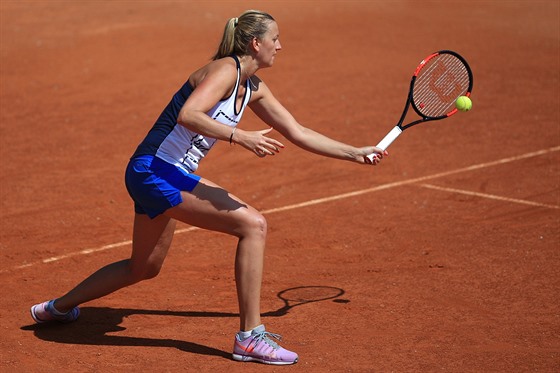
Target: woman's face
x=269, y=45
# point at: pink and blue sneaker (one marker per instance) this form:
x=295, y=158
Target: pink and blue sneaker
x=261, y=348
x=44, y=312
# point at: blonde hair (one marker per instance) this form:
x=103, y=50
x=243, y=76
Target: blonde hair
x=239, y=32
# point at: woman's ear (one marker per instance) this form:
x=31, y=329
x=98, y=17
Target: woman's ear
x=255, y=44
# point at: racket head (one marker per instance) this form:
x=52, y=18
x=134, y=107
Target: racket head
x=437, y=82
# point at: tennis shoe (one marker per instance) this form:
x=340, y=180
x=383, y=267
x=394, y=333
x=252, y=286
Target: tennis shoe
x=261, y=348
x=44, y=312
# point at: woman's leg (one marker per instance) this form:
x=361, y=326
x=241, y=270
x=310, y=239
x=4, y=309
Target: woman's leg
x=211, y=207
x=150, y=243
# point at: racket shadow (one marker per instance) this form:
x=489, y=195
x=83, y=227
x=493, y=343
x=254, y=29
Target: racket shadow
x=103, y=322
x=302, y=295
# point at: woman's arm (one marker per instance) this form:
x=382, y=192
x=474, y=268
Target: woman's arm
x=212, y=83
x=272, y=112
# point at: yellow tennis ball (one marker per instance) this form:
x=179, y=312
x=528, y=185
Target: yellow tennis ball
x=463, y=103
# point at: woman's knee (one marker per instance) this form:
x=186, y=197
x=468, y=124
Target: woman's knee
x=144, y=271
x=254, y=224
x=151, y=270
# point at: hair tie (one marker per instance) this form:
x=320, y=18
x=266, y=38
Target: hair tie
x=235, y=21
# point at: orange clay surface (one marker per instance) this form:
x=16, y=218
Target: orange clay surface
x=447, y=252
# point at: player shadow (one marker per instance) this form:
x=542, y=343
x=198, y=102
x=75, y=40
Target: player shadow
x=98, y=325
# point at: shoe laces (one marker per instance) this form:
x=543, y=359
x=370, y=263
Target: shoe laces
x=266, y=337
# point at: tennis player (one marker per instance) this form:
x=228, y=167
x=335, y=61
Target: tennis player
x=161, y=179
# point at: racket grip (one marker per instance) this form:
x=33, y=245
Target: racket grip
x=387, y=140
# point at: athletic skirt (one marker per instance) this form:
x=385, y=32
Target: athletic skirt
x=156, y=185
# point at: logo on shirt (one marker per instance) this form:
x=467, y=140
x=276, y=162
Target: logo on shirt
x=221, y=113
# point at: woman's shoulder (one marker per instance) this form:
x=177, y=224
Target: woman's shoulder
x=259, y=87
x=224, y=68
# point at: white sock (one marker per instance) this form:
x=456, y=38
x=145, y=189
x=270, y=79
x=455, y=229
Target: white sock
x=243, y=335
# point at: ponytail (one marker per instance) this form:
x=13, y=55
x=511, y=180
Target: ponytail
x=239, y=32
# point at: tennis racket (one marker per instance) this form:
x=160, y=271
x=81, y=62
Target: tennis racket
x=436, y=84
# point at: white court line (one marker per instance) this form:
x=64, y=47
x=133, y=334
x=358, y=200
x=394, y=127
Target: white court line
x=489, y=196
x=412, y=181
x=320, y=201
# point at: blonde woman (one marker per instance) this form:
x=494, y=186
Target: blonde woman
x=161, y=179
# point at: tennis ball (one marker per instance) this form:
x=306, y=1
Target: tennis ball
x=463, y=103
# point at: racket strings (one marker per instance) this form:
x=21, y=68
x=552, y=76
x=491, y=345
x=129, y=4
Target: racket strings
x=438, y=84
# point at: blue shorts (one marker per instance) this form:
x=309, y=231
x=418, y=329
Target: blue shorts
x=156, y=185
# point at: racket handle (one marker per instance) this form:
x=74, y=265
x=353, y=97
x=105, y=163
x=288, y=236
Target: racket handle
x=387, y=140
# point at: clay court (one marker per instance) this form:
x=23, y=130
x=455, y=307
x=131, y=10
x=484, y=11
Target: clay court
x=446, y=255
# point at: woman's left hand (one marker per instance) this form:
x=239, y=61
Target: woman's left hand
x=258, y=142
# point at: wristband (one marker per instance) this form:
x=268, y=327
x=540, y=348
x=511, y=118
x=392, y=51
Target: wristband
x=231, y=136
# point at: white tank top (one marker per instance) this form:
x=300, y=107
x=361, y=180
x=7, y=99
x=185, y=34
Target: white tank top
x=185, y=148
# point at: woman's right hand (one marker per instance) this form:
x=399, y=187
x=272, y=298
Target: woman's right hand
x=257, y=142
